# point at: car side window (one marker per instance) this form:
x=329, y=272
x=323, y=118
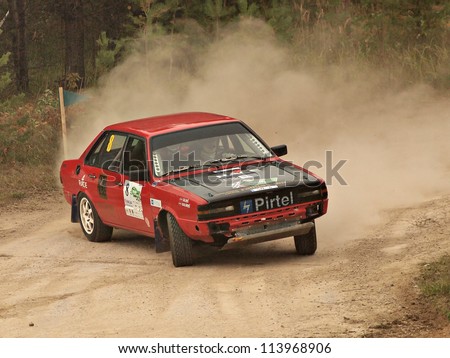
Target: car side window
x=107, y=154
x=135, y=156
x=93, y=158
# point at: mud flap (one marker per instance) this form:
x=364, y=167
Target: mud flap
x=74, y=213
x=161, y=243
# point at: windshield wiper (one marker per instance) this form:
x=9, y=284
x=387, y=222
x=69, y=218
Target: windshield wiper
x=185, y=168
x=235, y=157
x=258, y=157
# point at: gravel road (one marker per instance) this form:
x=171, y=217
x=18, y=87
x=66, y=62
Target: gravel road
x=54, y=283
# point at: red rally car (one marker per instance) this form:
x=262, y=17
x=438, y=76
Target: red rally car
x=192, y=177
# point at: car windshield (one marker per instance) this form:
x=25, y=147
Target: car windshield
x=205, y=146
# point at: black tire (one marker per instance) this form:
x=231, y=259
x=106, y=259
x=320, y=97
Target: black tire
x=180, y=244
x=306, y=244
x=91, y=224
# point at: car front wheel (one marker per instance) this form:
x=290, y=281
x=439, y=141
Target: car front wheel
x=306, y=244
x=180, y=244
x=91, y=224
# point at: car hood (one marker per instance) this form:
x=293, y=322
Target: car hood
x=245, y=180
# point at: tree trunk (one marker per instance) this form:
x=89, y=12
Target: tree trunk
x=17, y=11
x=74, y=37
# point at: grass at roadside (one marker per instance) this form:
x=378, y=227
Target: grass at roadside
x=29, y=143
x=435, y=284
x=24, y=181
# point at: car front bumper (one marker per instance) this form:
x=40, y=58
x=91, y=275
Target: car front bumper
x=262, y=232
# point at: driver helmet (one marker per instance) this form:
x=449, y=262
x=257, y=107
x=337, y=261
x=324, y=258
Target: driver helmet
x=208, y=148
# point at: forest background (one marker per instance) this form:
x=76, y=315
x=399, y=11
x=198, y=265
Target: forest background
x=74, y=43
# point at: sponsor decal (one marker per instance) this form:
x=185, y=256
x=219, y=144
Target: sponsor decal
x=268, y=181
x=227, y=173
x=236, y=184
x=184, y=202
x=156, y=203
x=82, y=182
x=243, y=180
x=261, y=188
x=132, y=198
x=246, y=206
x=266, y=203
x=246, y=177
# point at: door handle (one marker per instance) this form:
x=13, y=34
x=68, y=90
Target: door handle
x=92, y=176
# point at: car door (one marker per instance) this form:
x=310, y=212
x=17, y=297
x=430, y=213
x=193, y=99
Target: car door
x=136, y=209
x=103, y=176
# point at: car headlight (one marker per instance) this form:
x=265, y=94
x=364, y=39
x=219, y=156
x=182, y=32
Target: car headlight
x=308, y=193
x=216, y=210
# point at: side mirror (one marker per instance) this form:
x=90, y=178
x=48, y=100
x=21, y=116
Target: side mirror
x=138, y=175
x=280, y=150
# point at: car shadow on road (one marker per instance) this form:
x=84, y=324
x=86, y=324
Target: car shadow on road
x=269, y=253
x=253, y=255
x=132, y=240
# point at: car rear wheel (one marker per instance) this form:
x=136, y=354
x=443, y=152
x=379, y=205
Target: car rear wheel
x=180, y=244
x=91, y=224
x=306, y=244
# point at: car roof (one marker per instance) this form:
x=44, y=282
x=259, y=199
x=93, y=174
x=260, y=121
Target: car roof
x=151, y=126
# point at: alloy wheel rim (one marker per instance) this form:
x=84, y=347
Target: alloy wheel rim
x=87, y=216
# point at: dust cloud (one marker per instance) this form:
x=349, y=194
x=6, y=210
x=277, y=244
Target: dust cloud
x=395, y=142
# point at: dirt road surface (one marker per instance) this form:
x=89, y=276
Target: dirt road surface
x=54, y=283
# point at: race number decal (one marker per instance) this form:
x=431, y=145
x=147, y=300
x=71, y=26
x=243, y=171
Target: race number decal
x=111, y=140
x=132, y=197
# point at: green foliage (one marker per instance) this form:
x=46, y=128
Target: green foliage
x=29, y=133
x=282, y=18
x=5, y=78
x=155, y=21
x=47, y=103
x=410, y=39
x=107, y=53
x=11, y=101
x=248, y=10
x=217, y=11
x=4, y=59
x=155, y=16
